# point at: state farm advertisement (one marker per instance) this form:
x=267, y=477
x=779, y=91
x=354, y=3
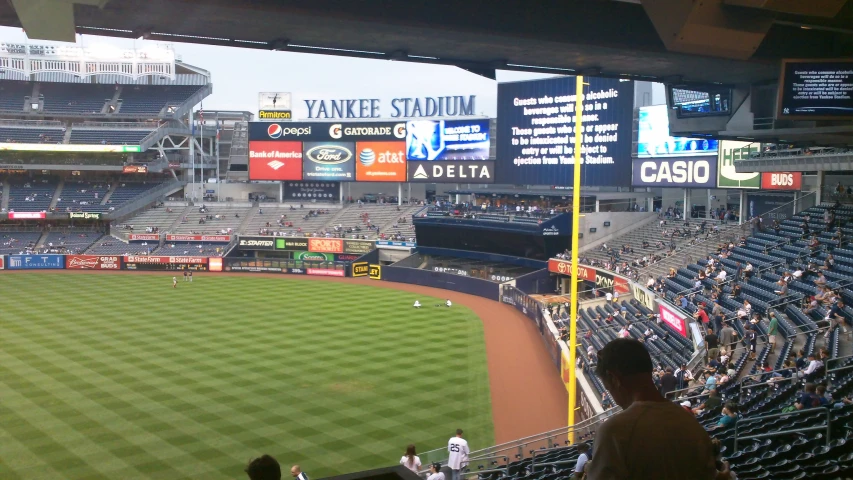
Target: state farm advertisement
x=92, y=262
x=326, y=272
x=380, y=161
x=275, y=160
x=26, y=215
x=326, y=245
x=673, y=319
x=157, y=260
x=144, y=237
x=199, y=238
x=782, y=181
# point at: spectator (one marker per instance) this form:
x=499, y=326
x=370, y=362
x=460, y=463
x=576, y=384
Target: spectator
x=712, y=343
x=711, y=403
x=410, y=460
x=835, y=317
x=583, y=449
x=668, y=382
x=820, y=391
x=457, y=448
x=263, y=468
x=801, y=360
x=813, y=369
x=625, y=368
x=729, y=416
x=297, y=473
x=807, y=399
x=727, y=339
x=683, y=376
x=435, y=472
x=772, y=329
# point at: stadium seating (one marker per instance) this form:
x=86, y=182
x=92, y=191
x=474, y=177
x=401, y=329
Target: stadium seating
x=150, y=100
x=271, y=214
x=108, y=136
x=12, y=95
x=111, y=245
x=31, y=135
x=75, y=98
x=68, y=242
x=33, y=195
x=224, y=218
x=128, y=191
x=82, y=196
x=17, y=242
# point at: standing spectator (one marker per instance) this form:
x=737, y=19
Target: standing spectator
x=668, y=382
x=683, y=376
x=727, y=339
x=712, y=343
x=625, y=368
x=582, y=459
x=296, y=471
x=751, y=339
x=457, y=447
x=410, y=460
x=772, y=329
x=263, y=468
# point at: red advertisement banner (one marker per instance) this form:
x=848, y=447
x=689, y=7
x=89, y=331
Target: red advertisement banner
x=564, y=267
x=135, y=169
x=275, y=160
x=26, y=215
x=148, y=237
x=2, y=262
x=782, y=181
x=620, y=285
x=92, y=262
x=199, y=238
x=672, y=318
x=215, y=264
x=326, y=245
x=161, y=259
x=326, y=272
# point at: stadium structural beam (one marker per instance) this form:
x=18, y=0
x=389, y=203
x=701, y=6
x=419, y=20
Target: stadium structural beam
x=576, y=212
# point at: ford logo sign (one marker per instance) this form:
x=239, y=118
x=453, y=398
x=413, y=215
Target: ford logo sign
x=329, y=154
x=367, y=157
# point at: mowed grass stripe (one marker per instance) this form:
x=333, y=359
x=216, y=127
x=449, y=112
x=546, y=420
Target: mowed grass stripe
x=122, y=376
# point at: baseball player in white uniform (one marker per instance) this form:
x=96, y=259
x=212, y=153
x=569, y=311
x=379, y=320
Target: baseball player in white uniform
x=449, y=304
x=457, y=448
x=174, y=282
x=417, y=304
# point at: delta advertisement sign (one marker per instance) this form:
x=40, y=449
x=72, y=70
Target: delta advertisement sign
x=92, y=262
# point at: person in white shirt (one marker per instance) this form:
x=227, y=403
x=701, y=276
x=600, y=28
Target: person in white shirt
x=297, y=473
x=798, y=274
x=457, y=448
x=435, y=472
x=630, y=444
x=609, y=297
x=623, y=333
x=417, y=304
x=410, y=460
x=721, y=277
x=583, y=449
x=448, y=303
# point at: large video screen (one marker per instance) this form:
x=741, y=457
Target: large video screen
x=815, y=89
x=653, y=139
x=535, y=135
x=428, y=140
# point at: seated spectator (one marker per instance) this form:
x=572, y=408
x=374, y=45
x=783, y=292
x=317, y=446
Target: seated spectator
x=729, y=416
x=820, y=391
x=813, y=369
x=820, y=281
x=711, y=403
x=808, y=398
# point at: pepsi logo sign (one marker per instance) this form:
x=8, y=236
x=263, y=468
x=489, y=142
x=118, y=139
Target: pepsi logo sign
x=275, y=130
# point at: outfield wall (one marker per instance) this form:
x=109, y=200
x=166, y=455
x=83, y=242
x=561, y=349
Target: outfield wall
x=446, y=281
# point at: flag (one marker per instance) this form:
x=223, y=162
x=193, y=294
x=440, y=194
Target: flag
x=201, y=115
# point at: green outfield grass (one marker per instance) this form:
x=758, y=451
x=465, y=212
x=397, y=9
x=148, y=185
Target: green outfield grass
x=124, y=377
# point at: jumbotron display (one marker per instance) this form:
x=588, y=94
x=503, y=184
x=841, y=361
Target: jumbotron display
x=535, y=135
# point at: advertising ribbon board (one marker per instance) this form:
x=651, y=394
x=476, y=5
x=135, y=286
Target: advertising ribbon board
x=326, y=245
x=36, y=262
x=256, y=243
x=644, y=296
x=325, y=272
x=92, y=262
x=375, y=271
x=215, y=264
x=564, y=267
x=314, y=256
x=157, y=260
x=144, y=237
x=360, y=269
x=199, y=238
x=359, y=246
x=26, y=215
x=85, y=215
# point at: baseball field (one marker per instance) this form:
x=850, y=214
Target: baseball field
x=124, y=377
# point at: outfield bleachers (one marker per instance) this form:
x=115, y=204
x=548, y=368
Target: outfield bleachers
x=68, y=242
x=31, y=195
x=75, y=98
x=151, y=99
x=17, y=242
x=108, y=136
x=82, y=196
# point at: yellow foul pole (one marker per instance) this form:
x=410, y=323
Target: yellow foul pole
x=576, y=213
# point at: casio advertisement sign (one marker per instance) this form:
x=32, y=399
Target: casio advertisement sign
x=694, y=172
x=480, y=171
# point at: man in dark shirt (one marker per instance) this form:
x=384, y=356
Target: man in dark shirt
x=801, y=360
x=808, y=398
x=835, y=316
x=667, y=382
x=712, y=343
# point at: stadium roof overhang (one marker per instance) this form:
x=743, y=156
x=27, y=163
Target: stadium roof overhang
x=726, y=41
x=592, y=195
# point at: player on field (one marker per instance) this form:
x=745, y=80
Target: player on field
x=191, y=276
x=417, y=304
x=174, y=282
x=448, y=303
x=186, y=273
x=457, y=448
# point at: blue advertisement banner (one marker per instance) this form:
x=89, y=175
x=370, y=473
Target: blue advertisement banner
x=387, y=243
x=653, y=139
x=35, y=262
x=428, y=140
